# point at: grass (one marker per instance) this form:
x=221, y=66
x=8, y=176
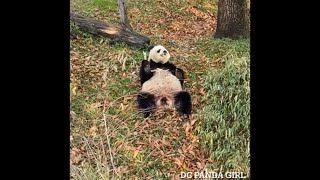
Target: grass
x=226, y=122
x=109, y=137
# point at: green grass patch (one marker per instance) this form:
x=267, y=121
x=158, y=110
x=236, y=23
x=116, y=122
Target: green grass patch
x=220, y=48
x=106, y=4
x=224, y=129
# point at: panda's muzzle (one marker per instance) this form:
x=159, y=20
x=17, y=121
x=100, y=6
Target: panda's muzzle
x=165, y=52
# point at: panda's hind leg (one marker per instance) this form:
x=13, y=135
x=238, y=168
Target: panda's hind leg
x=183, y=103
x=146, y=103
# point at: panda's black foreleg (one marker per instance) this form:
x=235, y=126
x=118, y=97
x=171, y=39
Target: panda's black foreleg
x=183, y=103
x=180, y=74
x=146, y=103
x=145, y=72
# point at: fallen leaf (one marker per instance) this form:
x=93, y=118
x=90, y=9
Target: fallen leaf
x=93, y=131
x=95, y=105
x=75, y=156
x=178, y=161
x=200, y=165
x=188, y=127
x=192, y=122
x=135, y=153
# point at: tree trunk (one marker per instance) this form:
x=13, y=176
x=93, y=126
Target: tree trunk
x=232, y=19
x=117, y=33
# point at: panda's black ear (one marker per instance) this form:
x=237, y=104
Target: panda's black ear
x=150, y=47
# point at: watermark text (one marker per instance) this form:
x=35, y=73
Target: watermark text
x=212, y=175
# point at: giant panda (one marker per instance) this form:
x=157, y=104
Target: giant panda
x=162, y=91
x=158, y=58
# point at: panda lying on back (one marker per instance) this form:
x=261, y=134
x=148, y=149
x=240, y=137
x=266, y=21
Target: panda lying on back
x=158, y=58
x=162, y=91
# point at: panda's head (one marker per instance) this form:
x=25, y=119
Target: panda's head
x=159, y=54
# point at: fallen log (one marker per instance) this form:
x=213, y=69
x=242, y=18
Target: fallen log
x=116, y=33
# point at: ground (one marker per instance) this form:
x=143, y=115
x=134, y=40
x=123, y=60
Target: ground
x=110, y=139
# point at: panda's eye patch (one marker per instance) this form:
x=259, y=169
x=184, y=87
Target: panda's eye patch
x=158, y=51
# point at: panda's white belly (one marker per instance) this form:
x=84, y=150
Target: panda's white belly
x=162, y=82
